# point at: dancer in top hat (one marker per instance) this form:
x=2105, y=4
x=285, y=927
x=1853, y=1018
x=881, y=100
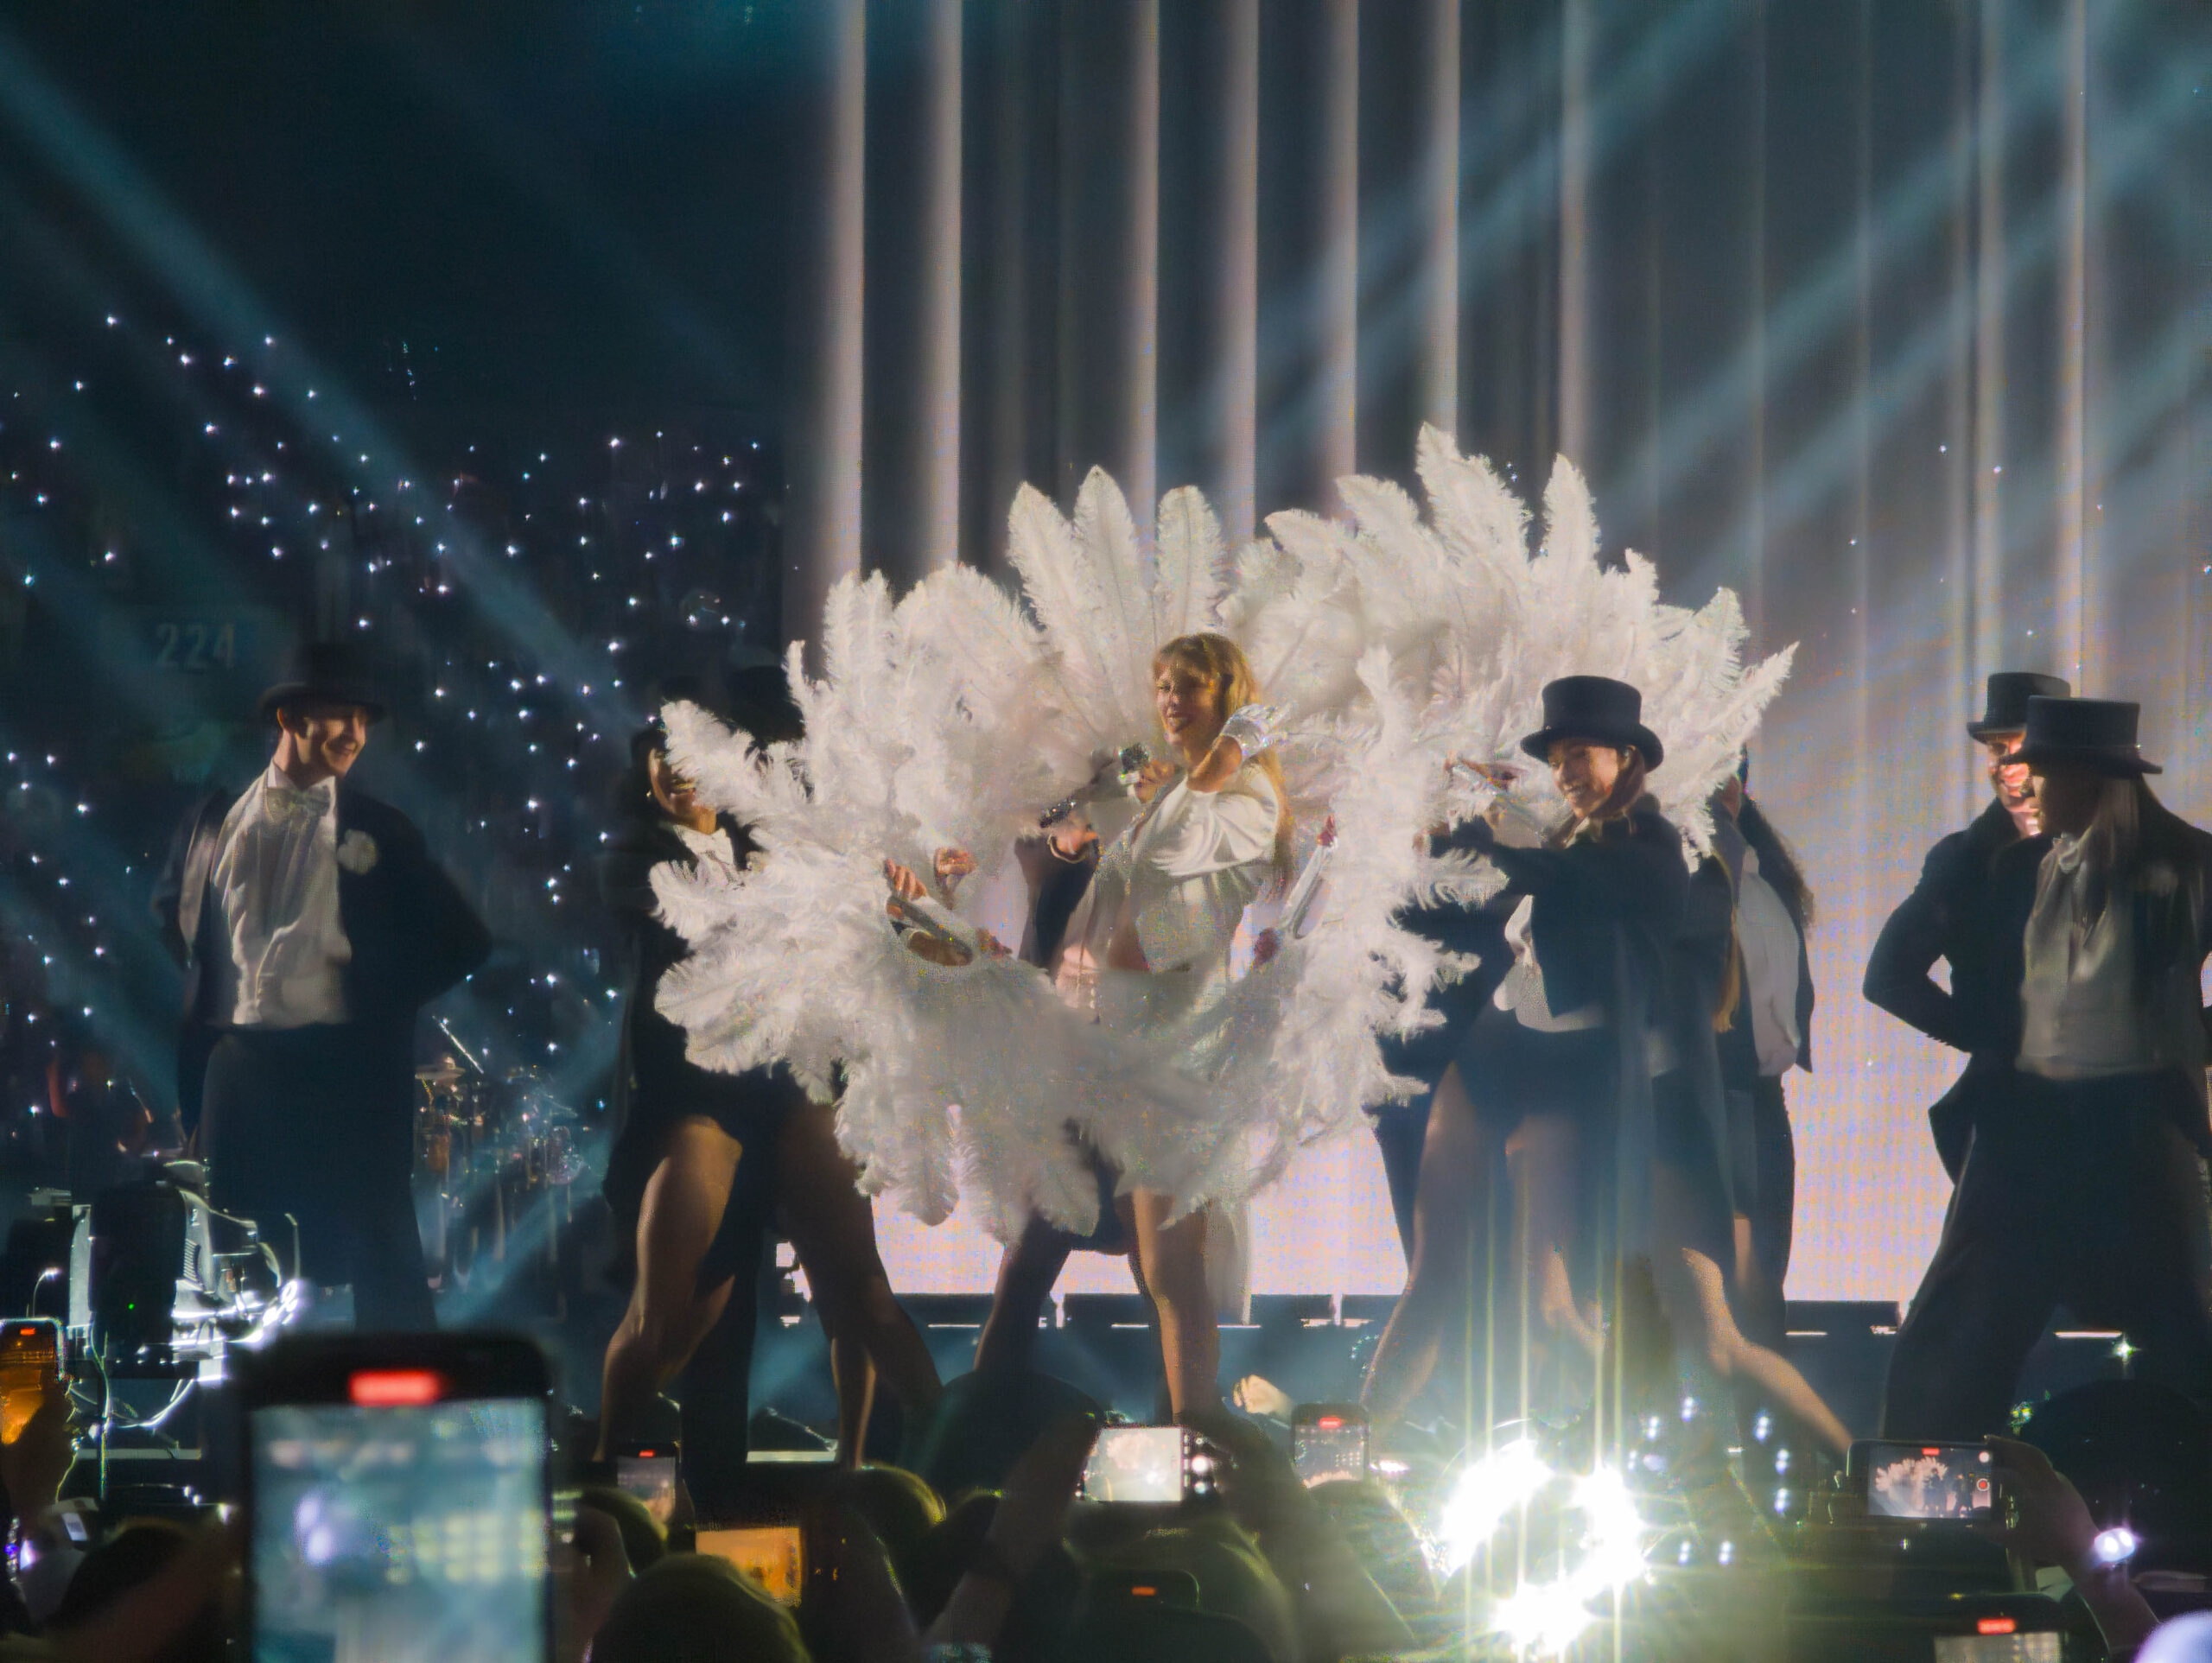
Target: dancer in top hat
x=2090, y=1187
x=313, y=923
x=1556, y=1057
x=1598, y=1050
x=1940, y=918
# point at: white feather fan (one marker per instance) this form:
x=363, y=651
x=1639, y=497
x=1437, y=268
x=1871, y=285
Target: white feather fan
x=954, y=718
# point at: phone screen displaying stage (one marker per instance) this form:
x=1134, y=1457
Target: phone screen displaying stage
x=1929, y=1480
x=1329, y=1449
x=1153, y=1464
x=773, y=1555
x=399, y=1534
x=649, y=1476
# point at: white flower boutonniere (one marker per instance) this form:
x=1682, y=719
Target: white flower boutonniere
x=357, y=852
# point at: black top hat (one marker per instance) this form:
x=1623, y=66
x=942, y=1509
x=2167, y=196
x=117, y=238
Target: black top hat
x=2098, y=734
x=1594, y=708
x=325, y=672
x=2007, y=701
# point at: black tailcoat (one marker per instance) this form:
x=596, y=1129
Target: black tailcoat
x=1616, y=923
x=1946, y=917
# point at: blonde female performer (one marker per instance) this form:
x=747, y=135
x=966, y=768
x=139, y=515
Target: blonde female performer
x=1150, y=950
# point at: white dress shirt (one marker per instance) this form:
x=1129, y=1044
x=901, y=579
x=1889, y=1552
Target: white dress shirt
x=714, y=857
x=275, y=877
x=1522, y=991
x=2082, y=1017
x=1770, y=942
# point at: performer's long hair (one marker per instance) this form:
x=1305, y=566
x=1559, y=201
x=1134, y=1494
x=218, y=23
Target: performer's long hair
x=2137, y=845
x=1778, y=862
x=1223, y=665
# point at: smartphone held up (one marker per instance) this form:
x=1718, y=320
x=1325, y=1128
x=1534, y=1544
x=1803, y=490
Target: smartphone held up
x=396, y=1501
x=1329, y=1443
x=1934, y=1483
x=1157, y=1466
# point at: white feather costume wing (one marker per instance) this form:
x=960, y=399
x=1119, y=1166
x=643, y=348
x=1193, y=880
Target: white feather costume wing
x=1562, y=610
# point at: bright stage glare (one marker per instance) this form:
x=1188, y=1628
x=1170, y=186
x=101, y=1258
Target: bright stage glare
x=1613, y=1542
x=1542, y=1617
x=1506, y=1478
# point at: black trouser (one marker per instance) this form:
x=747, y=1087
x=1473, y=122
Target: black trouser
x=319, y=1123
x=2088, y=1193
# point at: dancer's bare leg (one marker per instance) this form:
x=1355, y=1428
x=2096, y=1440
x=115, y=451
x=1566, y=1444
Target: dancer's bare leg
x=832, y=1230
x=1740, y=1241
x=1172, y=1261
x=1449, y=1211
x=1027, y=1271
x=1757, y=1296
x=852, y=1372
x=1541, y=1153
x=1694, y=1296
x=668, y=1316
x=1162, y=1407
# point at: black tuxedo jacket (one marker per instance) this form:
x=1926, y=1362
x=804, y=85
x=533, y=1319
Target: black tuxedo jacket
x=1618, y=922
x=1587, y=893
x=1948, y=916
x=412, y=933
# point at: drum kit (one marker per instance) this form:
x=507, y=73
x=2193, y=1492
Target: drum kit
x=497, y=1159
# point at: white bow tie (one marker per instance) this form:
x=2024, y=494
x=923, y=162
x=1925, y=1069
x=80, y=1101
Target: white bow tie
x=288, y=805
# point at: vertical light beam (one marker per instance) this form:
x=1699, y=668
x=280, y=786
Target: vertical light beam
x=1235, y=384
x=1959, y=563
x=1754, y=352
x=1338, y=287
x=1989, y=347
x=2073, y=625
x=1437, y=391
x=1141, y=299
x=937, y=461
x=825, y=461
x=1574, y=232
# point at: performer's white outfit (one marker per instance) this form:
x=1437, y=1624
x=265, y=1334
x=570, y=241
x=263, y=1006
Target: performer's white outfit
x=1180, y=877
